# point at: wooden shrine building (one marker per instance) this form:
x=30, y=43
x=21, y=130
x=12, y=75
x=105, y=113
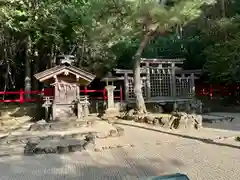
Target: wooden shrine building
x=66, y=102
x=162, y=81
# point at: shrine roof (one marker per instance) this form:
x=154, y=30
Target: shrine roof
x=57, y=70
x=111, y=77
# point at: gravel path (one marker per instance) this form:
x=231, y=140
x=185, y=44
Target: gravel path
x=153, y=154
x=234, y=125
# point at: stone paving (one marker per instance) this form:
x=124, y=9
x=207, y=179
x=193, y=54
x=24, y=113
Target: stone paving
x=153, y=153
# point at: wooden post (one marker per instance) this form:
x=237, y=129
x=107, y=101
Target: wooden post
x=21, y=98
x=121, y=96
x=148, y=87
x=54, y=110
x=126, y=85
x=104, y=95
x=173, y=87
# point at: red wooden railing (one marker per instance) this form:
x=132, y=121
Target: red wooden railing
x=217, y=90
x=118, y=95
x=20, y=94
x=208, y=90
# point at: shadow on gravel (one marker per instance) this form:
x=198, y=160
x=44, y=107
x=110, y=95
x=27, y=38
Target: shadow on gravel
x=207, y=141
x=117, y=164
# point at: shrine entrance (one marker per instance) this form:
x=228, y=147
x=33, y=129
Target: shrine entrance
x=66, y=103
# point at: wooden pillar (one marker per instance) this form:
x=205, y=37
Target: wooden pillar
x=55, y=99
x=148, y=84
x=126, y=85
x=79, y=105
x=192, y=84
x=173, y=78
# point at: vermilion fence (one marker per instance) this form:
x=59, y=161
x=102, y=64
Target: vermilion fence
x=216, y=90
x=20, y=95
x=201, y=90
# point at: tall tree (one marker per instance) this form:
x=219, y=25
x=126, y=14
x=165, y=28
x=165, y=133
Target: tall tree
x=150, y=18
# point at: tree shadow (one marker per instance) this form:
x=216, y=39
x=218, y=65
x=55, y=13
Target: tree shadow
x=203, y=140
x=114, y=164
x=33, y=110
x=219, y=120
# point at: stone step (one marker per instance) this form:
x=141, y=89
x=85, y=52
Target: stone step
x=23, y=137
x=59, y=125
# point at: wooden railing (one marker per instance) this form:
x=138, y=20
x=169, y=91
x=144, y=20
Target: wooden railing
x=101, y=94
x=19, y=96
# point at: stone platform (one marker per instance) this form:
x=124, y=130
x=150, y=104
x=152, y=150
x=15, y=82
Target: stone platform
x=58, y=145
x=64, y=137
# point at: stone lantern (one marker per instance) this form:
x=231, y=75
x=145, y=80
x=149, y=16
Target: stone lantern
x=111, y=110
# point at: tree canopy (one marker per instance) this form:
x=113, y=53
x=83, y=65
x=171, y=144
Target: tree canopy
x=104, y=34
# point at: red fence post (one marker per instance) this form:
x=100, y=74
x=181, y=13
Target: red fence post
x=104, y=94
x=85, y=90
x=121, y=95
x=21, y=98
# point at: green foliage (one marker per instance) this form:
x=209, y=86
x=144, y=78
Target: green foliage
x=106, y=33
x=223, y=55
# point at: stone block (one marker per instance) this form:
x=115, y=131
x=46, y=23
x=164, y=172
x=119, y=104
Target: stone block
x=89, y=146
x=62, y=149
x=74, y=148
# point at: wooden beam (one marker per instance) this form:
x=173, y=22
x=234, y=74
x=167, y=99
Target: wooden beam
x=144, y=70
x=162, y=60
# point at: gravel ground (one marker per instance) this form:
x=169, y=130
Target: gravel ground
x=234, y=125
x=152, y=153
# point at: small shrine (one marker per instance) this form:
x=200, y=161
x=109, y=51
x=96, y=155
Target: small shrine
x=66, y=80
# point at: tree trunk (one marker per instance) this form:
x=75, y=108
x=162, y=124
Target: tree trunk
x=140, y=104
x=6, y=79
x=35, y=69
x=27, y=79
x=81, y=53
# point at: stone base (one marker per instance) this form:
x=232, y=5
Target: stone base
x=111, y=114
x=51, y=146
x=64, y=112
